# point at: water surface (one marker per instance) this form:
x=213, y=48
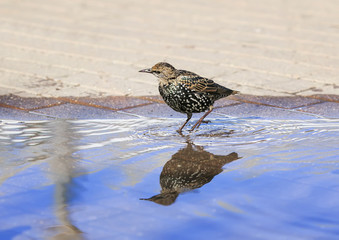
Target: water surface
x=139, y=179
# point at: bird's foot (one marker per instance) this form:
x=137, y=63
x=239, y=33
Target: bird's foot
x=197, y=125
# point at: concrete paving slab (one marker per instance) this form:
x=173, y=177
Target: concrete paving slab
x=325, y=109
x=156, y=110
x=28, y=103
x=283, y=102
x=252, y=110
x=14, y=114
x=231, y=100
x=111, y=103
x=73, y=111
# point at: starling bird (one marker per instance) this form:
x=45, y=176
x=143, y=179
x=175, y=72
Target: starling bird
x=190, y=168
x=187, y=92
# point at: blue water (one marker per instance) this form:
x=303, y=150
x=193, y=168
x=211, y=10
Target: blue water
x=232, y=179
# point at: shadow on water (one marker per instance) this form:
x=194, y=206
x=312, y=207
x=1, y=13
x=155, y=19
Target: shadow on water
x=190, y=168
x=47, y=150
x=62, y=165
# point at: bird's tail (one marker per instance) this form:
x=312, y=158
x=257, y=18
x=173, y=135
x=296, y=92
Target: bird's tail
x=234, y=92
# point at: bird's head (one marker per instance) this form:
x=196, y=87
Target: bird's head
x=161, y=70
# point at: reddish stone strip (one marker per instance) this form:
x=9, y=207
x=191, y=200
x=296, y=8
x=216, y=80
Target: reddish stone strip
x=76, y=101
x=325, y=98
x=306, y=105
x=156, y=100
x=46, y=106
x=126, y=103
x=12, y=107
x=88, y=104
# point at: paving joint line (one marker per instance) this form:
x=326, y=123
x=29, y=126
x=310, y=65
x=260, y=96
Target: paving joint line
x=323, y=99
x=12, y=107
x=150, y=99
x=46, y=106
x=136, y=106
x=307, y=105
x=294, y=109
x=77, y=102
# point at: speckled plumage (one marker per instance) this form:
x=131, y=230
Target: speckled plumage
x=187, y=92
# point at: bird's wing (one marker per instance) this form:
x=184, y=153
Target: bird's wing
x=197, y=83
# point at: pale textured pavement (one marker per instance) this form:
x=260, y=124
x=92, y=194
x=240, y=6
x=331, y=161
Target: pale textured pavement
x=95, y=48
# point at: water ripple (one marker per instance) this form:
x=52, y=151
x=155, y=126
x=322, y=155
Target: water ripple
x=261, y=171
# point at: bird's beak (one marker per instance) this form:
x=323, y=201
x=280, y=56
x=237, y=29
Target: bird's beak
x=147, y=70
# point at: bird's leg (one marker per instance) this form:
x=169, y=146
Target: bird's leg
x=202, y=118
x=189, y=115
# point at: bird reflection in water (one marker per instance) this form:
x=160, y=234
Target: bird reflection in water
x=190, y=168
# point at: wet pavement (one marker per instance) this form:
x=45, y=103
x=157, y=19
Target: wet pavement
x=285, y=107
x=115, y=168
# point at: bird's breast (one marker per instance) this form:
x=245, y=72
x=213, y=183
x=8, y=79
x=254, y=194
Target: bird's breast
x=182, y=99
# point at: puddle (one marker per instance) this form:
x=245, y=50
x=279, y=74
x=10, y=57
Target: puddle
x=139, y=179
